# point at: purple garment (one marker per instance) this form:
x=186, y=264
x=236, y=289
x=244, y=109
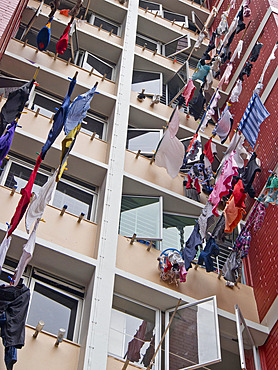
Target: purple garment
x=191, y=247
x=6, y=141
x=135, y=345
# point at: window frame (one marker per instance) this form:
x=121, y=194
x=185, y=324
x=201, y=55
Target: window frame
x=147, y=130
x=85, y=65
x=185, y=22
x=93, y=16
x=147, y=92
x=158, y=44
x=159, y=10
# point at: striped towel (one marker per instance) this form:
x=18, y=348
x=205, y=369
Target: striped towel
x=253, y=116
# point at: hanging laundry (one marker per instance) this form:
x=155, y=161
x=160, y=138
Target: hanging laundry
x=271, y=191
x=194, y=148
x=255, y=52
x=211, y=250
x=224, y=182
x=236, y=91
x=211, y=44
x=242, y=243
x=135, y=345
x=58, y=120
x=188, y=91
x=208, y=81
x=44, y=36
x=237, y=51
x=246, y=70
x=205, y=219
x=240, y=25
x=26, y=193
x=4, y=249
x=271, y=57
x=192, y=191
x=223, y=27
x=67, y=145
x=248, y=175
x=252, y=118
x=208, y=151
x=233, y=214
x=27, y=254
x=210, y=110
x=170, y=151
x=191, y=247
x=76, y=9
x=224, y=125
x=201, y=72
x=6, y=141
x=14, y=105
x=198, y=43
x=62, y=44
x=219, y=229
x=246, y=9
x=232, y=267
x=78, y=110
x=197, y=105
x=256, y=217
x=171, y=266
x=149, y=353
x=39, y=202
x=14, y=303
x=215, y=65
x=226, y=75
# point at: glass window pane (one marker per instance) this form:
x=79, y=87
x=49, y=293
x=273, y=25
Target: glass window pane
x=141, y=41
x=19, y=176
x=176, y=230
x=100, y=67
x=76, y=199
x=171, y=16
x=143, y=140
x=127, y=319
x=54, y=308
x=47, y=105
x=93, y=125
x=193, y=336
x=147, y=4
x=140, y=215
x=150, y=81
x=106, y=25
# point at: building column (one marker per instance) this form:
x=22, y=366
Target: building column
x=98, y=334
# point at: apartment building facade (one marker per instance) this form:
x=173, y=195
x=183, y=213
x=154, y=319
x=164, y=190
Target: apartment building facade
x=88, y=275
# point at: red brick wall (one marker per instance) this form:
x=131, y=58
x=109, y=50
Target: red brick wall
x=269, y=351
x=10, y=13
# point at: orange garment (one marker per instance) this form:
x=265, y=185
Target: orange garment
x=65, y=12
x=233, y=215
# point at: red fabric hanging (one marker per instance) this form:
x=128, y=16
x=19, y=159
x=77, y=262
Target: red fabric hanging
x=25, y=198
x=207, y=151
x=62, y=44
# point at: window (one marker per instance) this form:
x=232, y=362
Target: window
x=149, y=43
x=48, y=104
x=127, y=318
x=58, y=303
x=100, y=67
x=179, y=18
x=106, y=24
x=151, y=82
x=176, y=230
x=80, y=197
x=153, y=7
x=141, y=215
x=143, y=139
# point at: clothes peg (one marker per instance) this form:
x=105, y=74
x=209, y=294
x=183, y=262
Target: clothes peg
x=1, y=96
x=68, y=62
x=25, y=42
x=137, y=154
x=144, y=47
x=37, y=112
x=37, y=50
x=219, y=274
x=75, y=75
x=132, y=239
x=110, y=33
x=63, y=210
x=100, y=27
x=93, y=136
x=51, y=119
x=42, y=220
x=155, y=52
x=156, y=14
x=196, y=266
x=91, y=71
x=173, y=21
x=38, y=329
x=55, y=56
x=60, y=337
x=149, y=246
x=152, y=160
x=103, y=77
x=81, y=217
x=147, y=8
x=13, y=190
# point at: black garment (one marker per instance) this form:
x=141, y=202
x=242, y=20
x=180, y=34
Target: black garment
x=10, y=357
x=14, y=302
x=14, y=105
x=211, y=44
x=231, y=267
x=246, y=70
x=240, y=24
x=149, y=353
x=226, y=54
x=211, y=250
x=219, y=229
x=197, y=105
x=255, y=52
x=191, y=247
x=249, y=174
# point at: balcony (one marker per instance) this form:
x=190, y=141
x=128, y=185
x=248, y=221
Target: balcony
x=61, y=241
x=90, y=37
x=42, y=353
x=20, y=60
